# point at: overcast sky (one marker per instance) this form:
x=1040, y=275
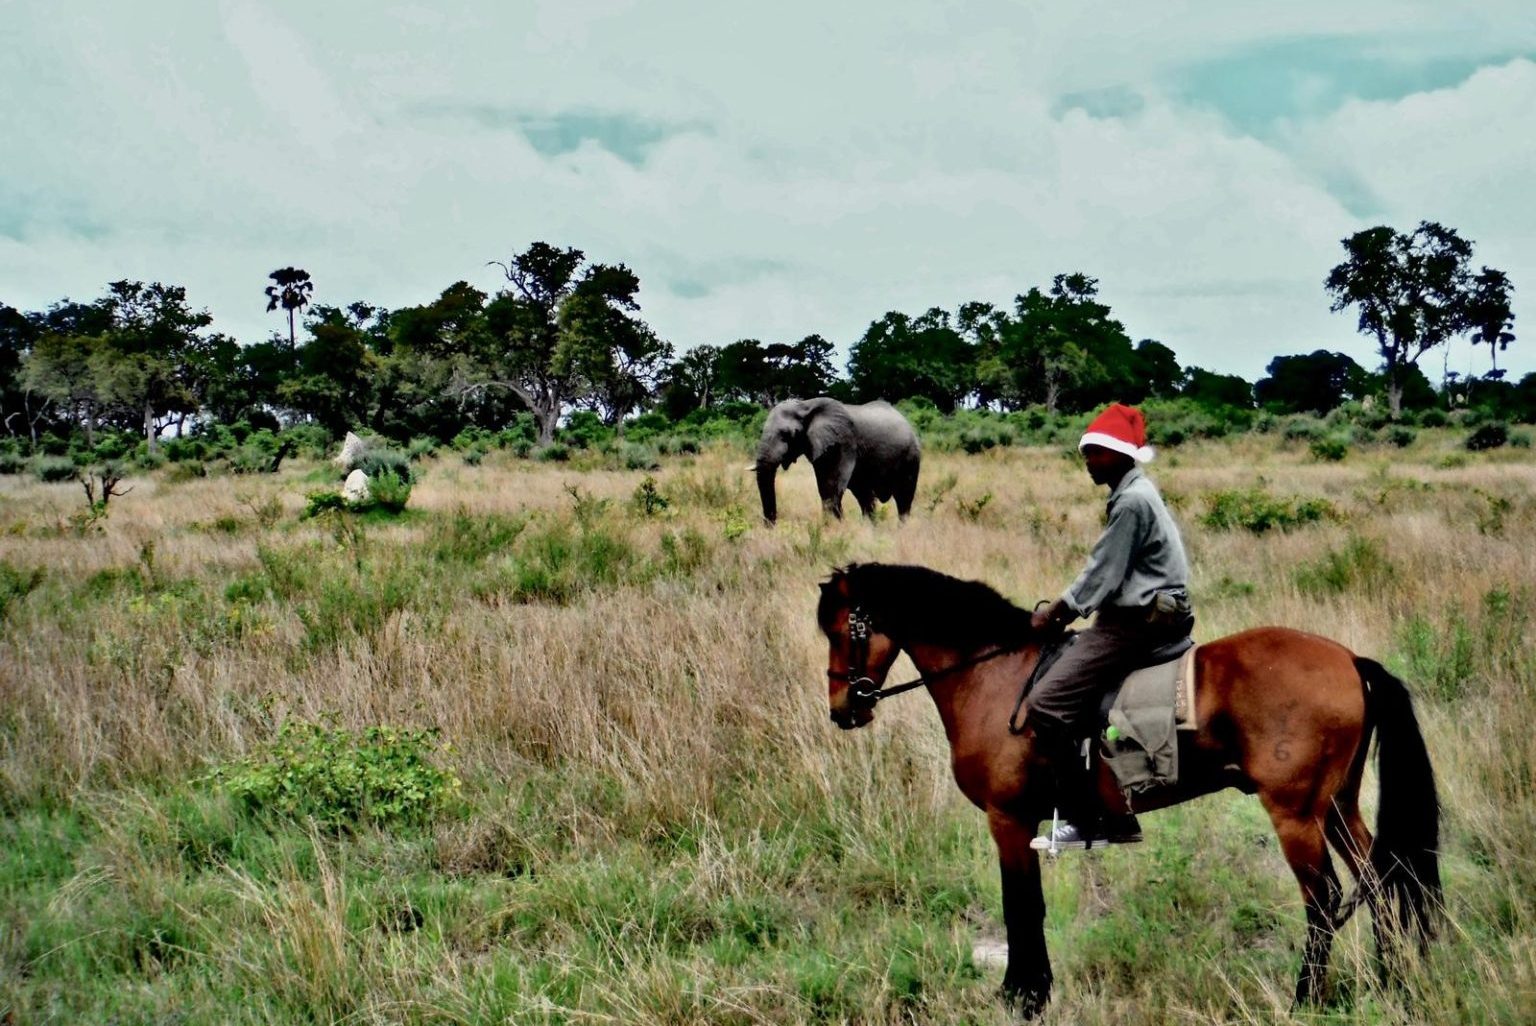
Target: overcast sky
x=772, y=170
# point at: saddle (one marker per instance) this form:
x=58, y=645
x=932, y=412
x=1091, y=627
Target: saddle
x=1140, y=718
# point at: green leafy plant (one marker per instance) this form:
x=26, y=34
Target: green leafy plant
x=343, y=777
x=53, y=469
x=1329, y=450
x=1493, y=435
x=648, y=499
x=971, y=509
x=320, y=502
x=390, y=491
x=1255, y=510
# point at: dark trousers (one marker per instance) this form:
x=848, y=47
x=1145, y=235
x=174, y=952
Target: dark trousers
x=1119, y=641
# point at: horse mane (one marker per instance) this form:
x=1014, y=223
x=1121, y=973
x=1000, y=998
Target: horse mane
x=917, y=604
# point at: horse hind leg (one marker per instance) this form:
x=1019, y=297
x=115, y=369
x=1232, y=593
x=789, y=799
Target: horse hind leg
x=1304, y=846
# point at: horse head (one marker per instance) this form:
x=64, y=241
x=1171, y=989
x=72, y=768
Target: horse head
x=859, y=653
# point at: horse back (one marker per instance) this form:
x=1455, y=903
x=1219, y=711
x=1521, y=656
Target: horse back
x=1276, y=701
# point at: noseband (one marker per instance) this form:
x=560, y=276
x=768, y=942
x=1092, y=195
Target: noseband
x=861, y=687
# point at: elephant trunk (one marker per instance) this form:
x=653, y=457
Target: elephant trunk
x=765, y=474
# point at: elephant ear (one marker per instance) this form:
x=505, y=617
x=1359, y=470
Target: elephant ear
x=828, y=428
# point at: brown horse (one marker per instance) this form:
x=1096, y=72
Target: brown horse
x=1282, y=714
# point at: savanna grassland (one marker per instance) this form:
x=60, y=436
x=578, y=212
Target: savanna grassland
x=617, y=797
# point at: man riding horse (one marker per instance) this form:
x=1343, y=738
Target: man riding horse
x=1137, y=579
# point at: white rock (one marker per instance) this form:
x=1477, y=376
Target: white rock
x=352, y=450
x=355, y=491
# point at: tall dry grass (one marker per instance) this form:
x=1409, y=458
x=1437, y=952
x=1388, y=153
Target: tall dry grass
x=662, y=826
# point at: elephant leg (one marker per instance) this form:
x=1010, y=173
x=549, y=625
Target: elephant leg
x=832, y=477
x=906, y=489
x=865, y=499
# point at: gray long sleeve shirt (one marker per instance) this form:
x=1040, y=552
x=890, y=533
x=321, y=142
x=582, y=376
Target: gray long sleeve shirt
x=1139, y=553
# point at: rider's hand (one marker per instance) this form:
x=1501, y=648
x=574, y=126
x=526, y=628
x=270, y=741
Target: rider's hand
x=1052, y=617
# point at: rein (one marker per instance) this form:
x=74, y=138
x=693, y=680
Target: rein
x=863, y=689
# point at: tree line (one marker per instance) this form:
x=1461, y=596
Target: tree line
x=564, y=334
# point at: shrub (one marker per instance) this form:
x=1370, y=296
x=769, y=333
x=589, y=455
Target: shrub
x=1401, y=435
x=1433, y=418
x=390, y=491
x=319, y=502
x=11, y=462
x=1491, y=435
x=421, y=448
x=639, y=457
x=554, y=452
x=380, y=461
x=311, y=441
x=1520, y=439
x=52, y=469
x=342, y=777
x=149, y=460
x=1360, y=563
x=647, y=498
x=1330, y=450
x=585, y=430
x=1302, y=429
x=1254, y=510
x=16, y=584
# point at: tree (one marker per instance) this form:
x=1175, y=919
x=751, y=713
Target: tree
x=1313, y=383
x=1413, y=292
x=1489, y=314
x=903, y=357
x=150, y=348
x=692, y=382
x=560, y=334
x=1156, y=372
x=1217, y=390
x=290, y=290
x=1058, y=349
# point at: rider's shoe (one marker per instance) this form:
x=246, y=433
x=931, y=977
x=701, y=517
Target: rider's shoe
x=1066, y=837
x=1121, y=829
x=1070, y=837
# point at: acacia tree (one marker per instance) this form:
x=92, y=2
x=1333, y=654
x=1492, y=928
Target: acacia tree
x=290, y=290
x=1414, y=292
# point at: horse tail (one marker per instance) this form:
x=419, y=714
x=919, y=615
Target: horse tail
x=1405, y=854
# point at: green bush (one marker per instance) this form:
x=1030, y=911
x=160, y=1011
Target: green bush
x=421, y=448
x=12, y=462
x=1330, y=450
x=16, y=584
x=319, y=502
x=311, y=441
x=379, y=461
x=1401, y=435
x=1302, y=429
x=1520, y=439
x=53, y=469
x=639, y=457
x=585, y=430
x=1361, y=563
x=1432, y=418
x=1255, y=510
x=341, y=777
x=554, y=452
x=390, y=491
x=1492, y=435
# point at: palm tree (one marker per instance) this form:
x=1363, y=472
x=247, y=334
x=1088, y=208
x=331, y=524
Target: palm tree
x=290, y=291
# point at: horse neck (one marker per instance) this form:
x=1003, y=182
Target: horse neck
x=948, y=688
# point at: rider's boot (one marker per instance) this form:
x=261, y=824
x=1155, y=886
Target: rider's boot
x=1081, y=823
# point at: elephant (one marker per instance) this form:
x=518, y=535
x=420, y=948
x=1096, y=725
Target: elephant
x=867, y=449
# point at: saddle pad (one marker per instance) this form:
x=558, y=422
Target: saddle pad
x=1150, y=707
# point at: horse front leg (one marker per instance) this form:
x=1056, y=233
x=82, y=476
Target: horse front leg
x=1027, y=980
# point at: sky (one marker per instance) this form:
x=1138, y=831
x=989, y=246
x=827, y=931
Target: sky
x=772, y=170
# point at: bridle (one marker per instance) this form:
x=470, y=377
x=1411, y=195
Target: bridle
x=861, y=687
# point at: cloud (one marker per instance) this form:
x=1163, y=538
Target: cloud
x=768, y=172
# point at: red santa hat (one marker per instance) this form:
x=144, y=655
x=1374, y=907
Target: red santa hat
x=1122, y=429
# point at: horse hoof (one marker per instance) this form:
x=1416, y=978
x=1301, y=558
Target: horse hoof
x=1024, y=1002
